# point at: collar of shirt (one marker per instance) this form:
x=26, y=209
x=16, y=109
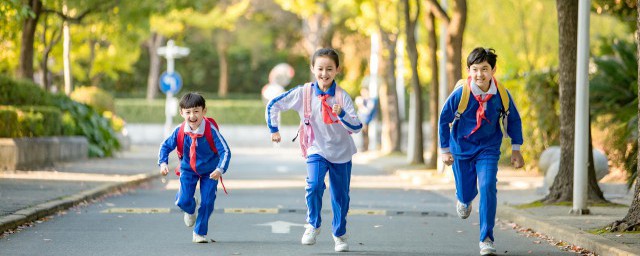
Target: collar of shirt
x=331, y=91
x=475, y=89
x=200, y=129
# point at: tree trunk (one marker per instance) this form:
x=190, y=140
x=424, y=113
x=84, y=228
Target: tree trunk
x=223, y=82
x=25, y=65
x=562, y=188
x=594, y=193
x=454, y=41
x=434, y=91
x=631, y=222
x=416, y=92
x=153, y=43
x=389, y=99
x=55, y=38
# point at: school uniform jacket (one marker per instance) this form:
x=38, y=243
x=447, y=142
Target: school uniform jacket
x=206, y=160
x=488, y=138
x=332, y=141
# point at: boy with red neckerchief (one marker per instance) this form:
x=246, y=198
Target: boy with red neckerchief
x=470, y=139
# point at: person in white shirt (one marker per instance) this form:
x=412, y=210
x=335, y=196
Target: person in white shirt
x=332, y=121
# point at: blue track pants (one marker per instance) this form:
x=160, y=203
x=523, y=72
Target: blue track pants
x=186, y=202
x=471, y=174
x=339, y=180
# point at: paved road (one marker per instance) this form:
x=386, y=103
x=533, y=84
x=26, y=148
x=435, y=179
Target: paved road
x=388, y=217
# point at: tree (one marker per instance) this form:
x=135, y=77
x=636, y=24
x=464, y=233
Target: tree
x=415, y=108
x=562, y=188
x=455, y=30
x=391, y=128
x=631, y=222
x=25, y=66
x=434, y=89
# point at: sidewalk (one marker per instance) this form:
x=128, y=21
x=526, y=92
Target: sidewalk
x=517, y=187
x=27, y=196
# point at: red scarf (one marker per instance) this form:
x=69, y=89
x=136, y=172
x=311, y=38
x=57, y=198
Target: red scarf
x=480, y=112
x=192, y=149
x=326, y=110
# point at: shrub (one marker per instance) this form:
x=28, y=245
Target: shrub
x=8, y=122
x=95, y=97
x=21, y=92
x=35, y=121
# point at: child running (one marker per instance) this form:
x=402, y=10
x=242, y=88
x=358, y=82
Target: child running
x=470, y=139
x=332, y=119
x=205, y=159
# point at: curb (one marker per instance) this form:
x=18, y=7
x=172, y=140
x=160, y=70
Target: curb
x=36, y=212
x=591, y=242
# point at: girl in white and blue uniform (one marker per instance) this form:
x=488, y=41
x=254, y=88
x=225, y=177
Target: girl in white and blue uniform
x=331, y=150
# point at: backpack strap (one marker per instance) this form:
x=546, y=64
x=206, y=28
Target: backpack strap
x=209, y=135
x=504, y=97
x=338, y=95
x=464, y=100
x=180, y=141
x=306, y=101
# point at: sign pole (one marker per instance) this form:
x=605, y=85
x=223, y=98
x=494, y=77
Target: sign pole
x=170, y=81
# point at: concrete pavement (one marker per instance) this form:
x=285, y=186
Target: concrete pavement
x=29, y=196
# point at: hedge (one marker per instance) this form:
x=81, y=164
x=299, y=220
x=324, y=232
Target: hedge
x=242, y=111
x=30, y=121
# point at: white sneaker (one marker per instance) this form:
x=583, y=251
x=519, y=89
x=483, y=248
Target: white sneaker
x=198, y=238
x=487, y=247
x=190, y=219
x=310, y=234
x=341, y=244
x=463, y=210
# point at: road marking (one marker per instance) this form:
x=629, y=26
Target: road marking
x=281, y=227
x=366, y=212
x=251, y=210
x=137, y=210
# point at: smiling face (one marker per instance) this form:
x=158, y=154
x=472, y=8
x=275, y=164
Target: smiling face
x=481, y=74
x=193, y=116
x=324, y=70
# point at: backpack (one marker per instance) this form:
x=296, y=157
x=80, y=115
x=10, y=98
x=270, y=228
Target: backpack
x=466, y=94
x=304, y=130
x=207, y=134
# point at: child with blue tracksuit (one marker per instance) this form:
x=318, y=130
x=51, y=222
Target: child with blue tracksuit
x=200, y=163
x=332, y=146
x=472, y=142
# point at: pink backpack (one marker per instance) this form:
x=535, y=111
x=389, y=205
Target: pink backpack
x=305, y=131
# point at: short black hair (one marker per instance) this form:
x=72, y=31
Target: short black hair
x=192, y=100
x=480, y=54
x=326, y=52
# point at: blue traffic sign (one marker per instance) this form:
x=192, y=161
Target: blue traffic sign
x=170, y=82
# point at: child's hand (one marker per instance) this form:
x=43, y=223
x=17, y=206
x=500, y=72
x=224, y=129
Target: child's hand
x=447, y=158
x=275, y=137
x=516, y=159
x=336, y=109
x=215, y=175
x=164, y=170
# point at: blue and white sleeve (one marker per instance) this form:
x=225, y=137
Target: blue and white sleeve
x=514, y=125
x=348, y=117
x=167, y=146
x=446, y=117
x=291, y=99
x=224, y=153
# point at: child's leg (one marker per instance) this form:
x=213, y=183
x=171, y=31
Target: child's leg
x=464, y=173
x=487, y=170
x=208, y=189
x=184, y=197
x=340, y=179
x=316, y=171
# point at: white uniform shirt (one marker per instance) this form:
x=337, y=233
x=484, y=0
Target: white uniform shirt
x=332, y=141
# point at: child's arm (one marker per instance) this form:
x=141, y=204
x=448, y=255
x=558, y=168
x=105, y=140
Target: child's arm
x=291, y=99
x=166, y=147
x=514, y=130
x=347, y=114
x=224, y=153
x=446, y=117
